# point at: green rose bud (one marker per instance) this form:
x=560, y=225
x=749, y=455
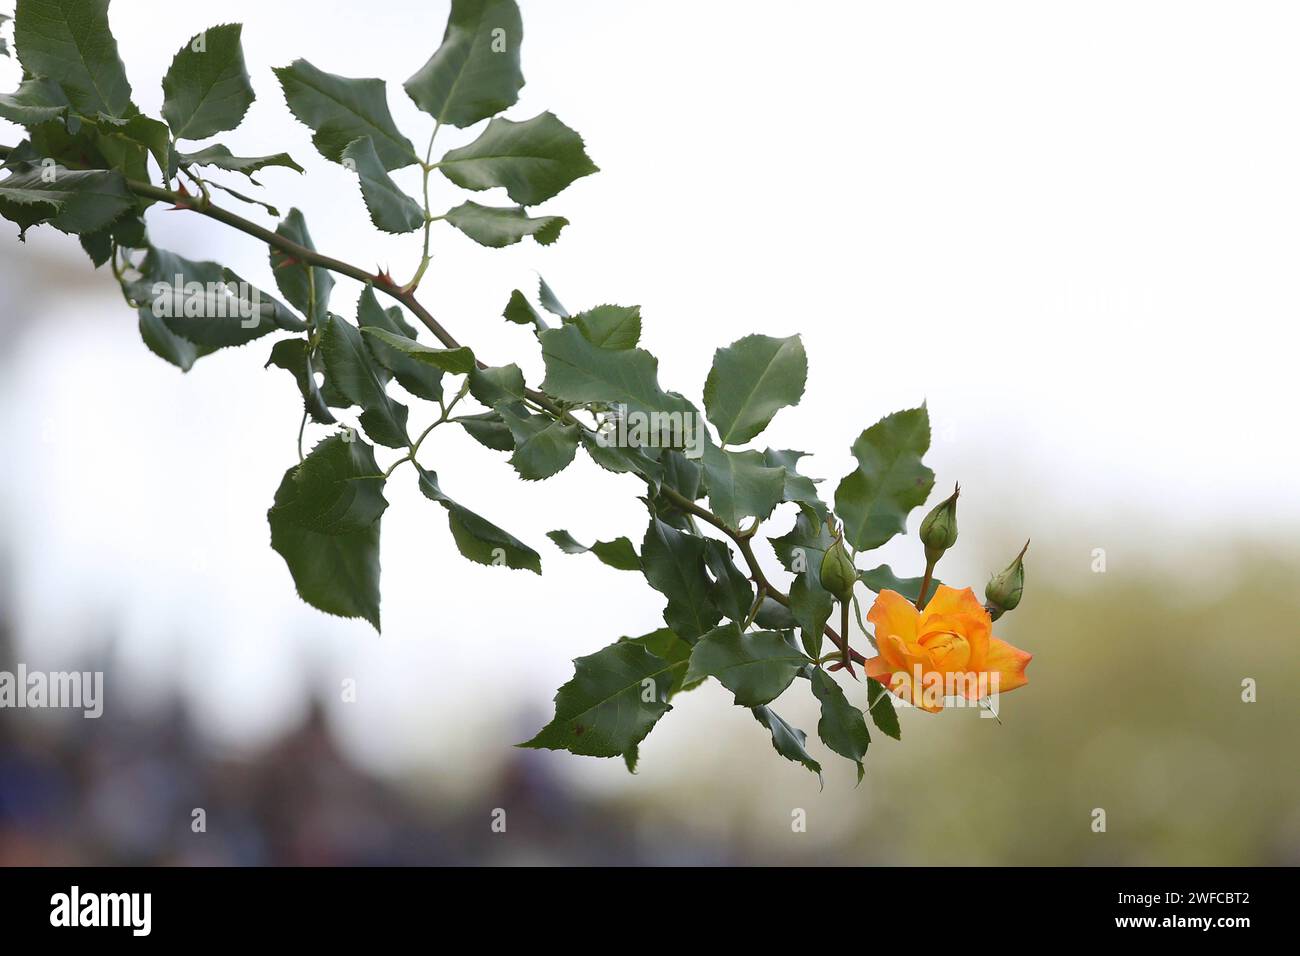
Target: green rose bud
x=939, y=529
x=839, y=573
x=1004, y=590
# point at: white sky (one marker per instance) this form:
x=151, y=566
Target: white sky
x=1070, y=227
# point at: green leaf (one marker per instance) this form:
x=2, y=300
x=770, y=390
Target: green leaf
x=533, y=160
x=811, y=606
x=136, y=131
x=496, y=384
x=334, y=573
x=755, y=667
x=741, y=485
x=303, y=285
x=543, y=446
x=789, y=741
x=549, y=302
x=751, y=380
x=37, y=100
x=882, y=578
x=421, y=379
x=220, y=157
x=619, y=553
x=294, y=356
x=842, y=727
x=70, y=42
x=458, y=361
x=72, y=202
x=478, y=539
x=674, y=566
x=579, y=371
x=873, y=501
x=611, y=326
x=797, y=487
x=475, y=72
x=665, y=644
x=521, y=312
x=614, y=700
x=496, y=228
x=205, y=302
x=391, y=210
x=774, y=617
x=353, y=371
x=338, y=489
x=341, y=110
x=166, y=344
x=206, y=90
x=732, y=592
x=488, y=429
x=882, y=710
x=803, y=549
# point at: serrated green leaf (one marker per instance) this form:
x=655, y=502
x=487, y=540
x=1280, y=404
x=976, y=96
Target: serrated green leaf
x=353, y=371
x=457, y=361
x=136, y=131
x=751, y=380
x=873, y=501
x=674, y=565
x=334, y=573
x=72, y=202
x=578, y=371
x=205, y=302
x=533, y=160
x=614, y=700
x=294, y=356
x=882, y=578
x=732, y=592
x=341, y=109
x=306, y=287
x=756, y=667
x=206, y=90
x=546, y=295
x=741, y=485
x=475, y=72
x=70, y=42
x=773, y=616
x=521, y=312
x=338, y=489
x=166, y=344
x=619, y=553
x=665, y=644
x=797, y=487
x=421, y=379
x=496, y=227
x=842, y=727
x=803, y=548
x=811, y=606
x=220, y=157
x=478, y=539
x=543, y=446
x=488, y=429
x=496, y=384
x=37, y=100
x=882, y=710
x=391, y=210
x=611, y=326
x=789, y=741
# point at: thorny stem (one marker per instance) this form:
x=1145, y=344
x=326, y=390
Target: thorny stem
x=406, y=297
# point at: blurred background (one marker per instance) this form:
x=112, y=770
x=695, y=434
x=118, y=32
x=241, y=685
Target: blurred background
x=1070, y=229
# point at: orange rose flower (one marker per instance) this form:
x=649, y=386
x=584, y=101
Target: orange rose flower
x=947, y=650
